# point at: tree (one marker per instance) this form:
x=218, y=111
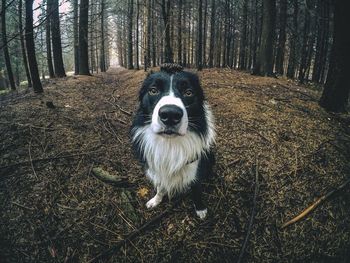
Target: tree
x=243, y=43
x=83, y=38
x=6, y=50
x=199, y=38
x=168, y=52
x=179, y=33
x=29, y=37
x=103, y=52
x=212, y=34
x=294, y=42
x=76, y=36
x=56, y=40
x=130, y=20
x=264, y=64
x=137, y=34
x=48, y=40
x=336, y=90
x=281, y=37
x=23, y=48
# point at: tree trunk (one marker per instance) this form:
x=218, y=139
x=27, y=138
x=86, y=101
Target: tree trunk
x=137, y=34
x=212, y=34
x=48, y=39
x=56, y=40
x=199, y=37
x=243, y=43
x=303, y=52
x=205, y=26
x=294, y=40
x=33, y=65
x=23, y=48
x=336, y=90
x=168, y=52
x=264, y=65
x=76, y=36
x=83, y=38
x=281, y=37
x=179, y=33
x=130, y=20
x=6, y=50
x=103, y=52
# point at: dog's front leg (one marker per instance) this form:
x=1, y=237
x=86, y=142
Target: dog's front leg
x=156, y=199
x=196, y=193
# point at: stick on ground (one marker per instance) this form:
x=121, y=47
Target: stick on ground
x=109, y=252
x=312, y=207
x=251, y=220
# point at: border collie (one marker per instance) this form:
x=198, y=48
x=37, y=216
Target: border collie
x=173, y=134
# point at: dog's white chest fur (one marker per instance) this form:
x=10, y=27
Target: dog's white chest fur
x=172, y=162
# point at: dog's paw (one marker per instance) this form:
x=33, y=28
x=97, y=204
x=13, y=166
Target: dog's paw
x=153, y=202
x=202, y=213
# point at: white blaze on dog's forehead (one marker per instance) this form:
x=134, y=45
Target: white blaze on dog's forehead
x=171, y=91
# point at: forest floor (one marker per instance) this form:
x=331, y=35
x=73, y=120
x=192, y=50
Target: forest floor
x=53, y=208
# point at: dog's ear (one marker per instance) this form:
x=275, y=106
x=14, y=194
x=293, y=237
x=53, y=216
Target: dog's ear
x=149, y=73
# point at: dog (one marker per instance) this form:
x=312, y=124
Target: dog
x=173, y=134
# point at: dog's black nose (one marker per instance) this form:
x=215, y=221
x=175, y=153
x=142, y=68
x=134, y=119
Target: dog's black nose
x=170, y=114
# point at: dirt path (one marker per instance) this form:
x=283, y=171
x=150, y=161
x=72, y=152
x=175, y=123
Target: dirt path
x=54, y=209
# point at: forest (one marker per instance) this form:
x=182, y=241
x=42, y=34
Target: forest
x=275, y=74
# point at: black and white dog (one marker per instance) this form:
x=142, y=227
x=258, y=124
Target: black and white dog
x=172, y=134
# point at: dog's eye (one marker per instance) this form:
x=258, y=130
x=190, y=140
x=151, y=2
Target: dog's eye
x=153, y=91
x=188, y=93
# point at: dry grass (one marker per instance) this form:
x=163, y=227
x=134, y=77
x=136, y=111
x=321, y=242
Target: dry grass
x=53, y=209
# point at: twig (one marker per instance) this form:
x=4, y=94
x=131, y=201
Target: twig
x=45, y=159
x=22, y=206
x=31, y=160
x=312, y=207
x=109, y=252
x=249, y=230
x=122, y=110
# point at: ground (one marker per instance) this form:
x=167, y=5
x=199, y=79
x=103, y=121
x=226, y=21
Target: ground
x=53, y=208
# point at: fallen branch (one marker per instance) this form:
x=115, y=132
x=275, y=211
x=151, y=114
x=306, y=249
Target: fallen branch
x=251, y=220
x=109, y=252
x=122, y=110
x=33, y=161
x=315, y=204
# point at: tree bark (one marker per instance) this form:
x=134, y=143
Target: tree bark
x=168, y=52
x=336, y=90
x=23, y=48
x=33, y=66
x=294, y=40
x=199, y=37
x=281, y=37
x=137, y=34
x=264, y=65
x=179, y=33
x=243, y=43
x=6, y=50
x=130, y=42
x=48, y=39
x=56, y=40
x=102, y=53
x=76, y=36
x=83, y=38
x=212, y=34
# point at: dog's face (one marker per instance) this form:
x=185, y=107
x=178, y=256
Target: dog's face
x=172, y=103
